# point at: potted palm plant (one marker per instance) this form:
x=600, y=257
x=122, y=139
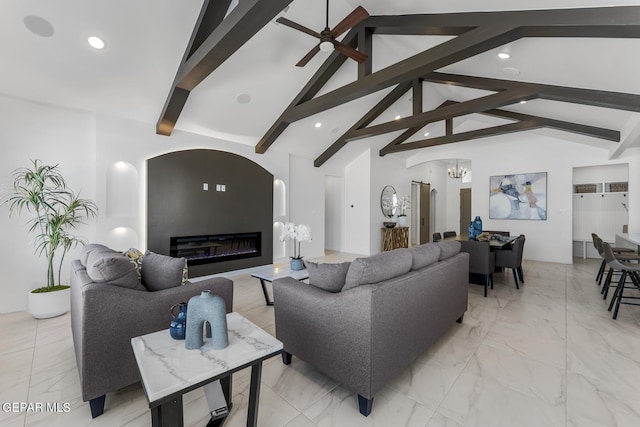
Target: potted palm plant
x=55, y=211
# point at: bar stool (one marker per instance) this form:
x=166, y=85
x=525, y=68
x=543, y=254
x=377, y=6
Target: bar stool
x=628, y=270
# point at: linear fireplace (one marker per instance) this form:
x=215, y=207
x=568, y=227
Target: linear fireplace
x=216, y=247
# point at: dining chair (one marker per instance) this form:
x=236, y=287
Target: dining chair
x=447, y=234
x=624, y=256
x=512, y=258
x=482, y=260
x=437, y=237
x=597, y=244
x=628, y=270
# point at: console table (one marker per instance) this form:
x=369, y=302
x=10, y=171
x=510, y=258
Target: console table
x=169, y=370
x=396, y=237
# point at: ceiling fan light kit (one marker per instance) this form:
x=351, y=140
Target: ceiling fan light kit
x=328, y=36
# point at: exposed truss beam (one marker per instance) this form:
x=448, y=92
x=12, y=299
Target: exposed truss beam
x=380, y=108
x=313, y=86
x=523, y=122
x=596, y=98
x=478, y=105
x=215, y=39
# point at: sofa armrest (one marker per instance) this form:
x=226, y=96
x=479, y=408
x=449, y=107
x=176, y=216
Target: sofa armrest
x=331, y=331
x=113, y=315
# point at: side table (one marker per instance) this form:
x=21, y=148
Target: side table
x=169, y=370
x=393, y=238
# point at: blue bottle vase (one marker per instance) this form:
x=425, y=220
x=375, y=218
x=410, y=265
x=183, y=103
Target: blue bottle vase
x=178, y=325
x=477, y=226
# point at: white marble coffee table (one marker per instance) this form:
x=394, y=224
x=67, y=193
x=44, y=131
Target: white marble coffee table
x=169, y=370
x=270, y=273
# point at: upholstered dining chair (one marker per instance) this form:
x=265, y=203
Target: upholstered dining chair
x=437, y=237
x=512, y=258
x=628, y=269
x=624, y=256
x=448, y=234
x=482, y=260
x=597, y=243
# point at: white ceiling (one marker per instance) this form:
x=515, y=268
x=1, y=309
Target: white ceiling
x=145, y=41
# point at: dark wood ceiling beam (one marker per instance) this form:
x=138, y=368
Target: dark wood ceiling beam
x=593, y=131
x=313, y=86
x=586, y=22
x=596, y=98
x=365, y=45
x=373, y=114
x=464, y=46
x=225, y=36
x=455, y=110
x=464, y=136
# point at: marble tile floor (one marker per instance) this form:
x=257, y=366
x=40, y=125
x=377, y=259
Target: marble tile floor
x=548, y=354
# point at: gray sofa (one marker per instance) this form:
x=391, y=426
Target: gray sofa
x=363, y=323
x=110, y=305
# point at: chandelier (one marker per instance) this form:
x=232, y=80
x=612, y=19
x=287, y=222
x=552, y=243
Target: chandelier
x=456, y=173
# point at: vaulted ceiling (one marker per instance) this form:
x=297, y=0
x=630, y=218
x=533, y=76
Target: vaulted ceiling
x=251, y=88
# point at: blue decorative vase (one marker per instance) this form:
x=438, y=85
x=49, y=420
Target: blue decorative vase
x=471, y=230
x=210, y=310
x=297, y=264
x=477, y=226
x=178, y=325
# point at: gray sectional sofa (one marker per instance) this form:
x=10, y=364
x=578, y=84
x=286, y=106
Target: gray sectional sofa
x=362, y=323
x=111, y=303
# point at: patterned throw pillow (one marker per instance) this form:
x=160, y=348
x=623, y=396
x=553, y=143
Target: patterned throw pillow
x=185, y=273
x=135, y=257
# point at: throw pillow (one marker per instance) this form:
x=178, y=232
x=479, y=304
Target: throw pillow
x=424, y=255
x=113, y=269
x=378, y=268
x=92, y=247
x=161, y=272
x=448, y=248
x=327, y=276
x=135, y=258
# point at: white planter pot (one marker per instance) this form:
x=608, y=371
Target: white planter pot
x=402, y=221
x=49, y=304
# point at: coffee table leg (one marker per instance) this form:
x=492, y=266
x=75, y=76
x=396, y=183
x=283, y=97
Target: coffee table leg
x=168, y=414
x=264, y=290
x=254, y=395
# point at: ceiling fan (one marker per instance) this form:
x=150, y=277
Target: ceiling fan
x=328, y=36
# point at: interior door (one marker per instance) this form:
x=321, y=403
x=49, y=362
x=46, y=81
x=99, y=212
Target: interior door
x=465, y=210
x=425, y=200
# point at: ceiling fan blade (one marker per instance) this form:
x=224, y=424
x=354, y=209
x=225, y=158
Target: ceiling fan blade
x=296, y=26
x=350, y=52
x=351, y=20
x=308, y=56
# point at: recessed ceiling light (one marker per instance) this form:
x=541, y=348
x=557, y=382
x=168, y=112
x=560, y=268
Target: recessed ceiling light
x=398, y=117
x=319, y=124
x=426, y=134
x=95, y=42
x=504, y=55
x=524, y=101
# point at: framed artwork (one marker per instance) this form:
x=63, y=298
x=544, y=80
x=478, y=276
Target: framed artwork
x=521, y=196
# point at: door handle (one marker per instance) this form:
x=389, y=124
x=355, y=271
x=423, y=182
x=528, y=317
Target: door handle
x=421, y=221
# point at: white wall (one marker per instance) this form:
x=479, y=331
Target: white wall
x=334, y=230
x=529, y=152
x=52, y=135
x=88, y=149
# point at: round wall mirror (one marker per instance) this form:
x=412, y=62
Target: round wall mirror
x=389, y=201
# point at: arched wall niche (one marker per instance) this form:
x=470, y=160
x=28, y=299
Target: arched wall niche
x=209, y=192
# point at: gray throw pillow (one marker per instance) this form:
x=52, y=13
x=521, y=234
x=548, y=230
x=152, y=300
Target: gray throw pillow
x=92, y=247
x=113, y=269
x=424, y=255
x=327, y=276
x=448, y=248
x=378, y=267
x=161, y=272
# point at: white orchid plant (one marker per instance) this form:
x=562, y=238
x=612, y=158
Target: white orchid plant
x=298, y=233
x=404, y=203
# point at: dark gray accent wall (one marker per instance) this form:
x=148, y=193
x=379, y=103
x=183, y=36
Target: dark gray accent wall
x=177, y=205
